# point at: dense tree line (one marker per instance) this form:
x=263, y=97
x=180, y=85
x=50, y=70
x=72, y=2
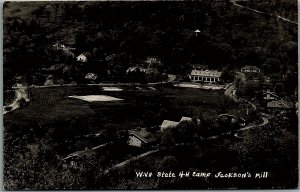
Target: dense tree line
x=121, y=34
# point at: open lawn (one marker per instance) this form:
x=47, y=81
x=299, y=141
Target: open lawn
x=69, y=118
x=48, y=104
x=95, y=98
x=49, y=107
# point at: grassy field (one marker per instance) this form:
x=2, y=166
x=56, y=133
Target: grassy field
x=272, y=148
x=50, y=104
x=51, y=110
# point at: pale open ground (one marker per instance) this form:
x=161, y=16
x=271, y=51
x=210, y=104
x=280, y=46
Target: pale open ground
x=112, y=89
x=199, y=86
x=92, y=98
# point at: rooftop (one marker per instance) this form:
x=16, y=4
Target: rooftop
x=168, y=123
x=206, y=73
x=136, y=68
x=279, y=104
x=143, y=135
x=199, y=66
x=185, y=119
x=250, y=67
x=79, y=154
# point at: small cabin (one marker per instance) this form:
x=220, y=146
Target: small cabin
x=250, y=69
x=141, y=138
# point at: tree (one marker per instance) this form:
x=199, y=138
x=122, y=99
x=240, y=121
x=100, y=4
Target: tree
x=271, y=65
x=187, y=132
x=168, y=163
x=34, y=166
x=80, y=39
x=167, y=138
x=227, y=75
x=224, y=104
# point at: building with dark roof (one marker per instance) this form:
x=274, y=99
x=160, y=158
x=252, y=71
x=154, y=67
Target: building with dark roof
x=141, y=138
x=199, y=66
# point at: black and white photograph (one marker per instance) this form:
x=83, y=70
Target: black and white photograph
x=153, y=95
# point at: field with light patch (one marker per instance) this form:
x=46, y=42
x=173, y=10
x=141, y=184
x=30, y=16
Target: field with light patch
x=132, y=106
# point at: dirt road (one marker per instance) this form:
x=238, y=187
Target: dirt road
x=20, y=94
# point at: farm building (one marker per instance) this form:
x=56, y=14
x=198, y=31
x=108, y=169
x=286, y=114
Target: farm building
x=269, y=96
x=59, y=46
x=250, y=69
x=199, y=66
x=208, y=76
x=91, y=76
x=132, y=69
x=168, y=124
x=141, y=138
x=142, y=69
x=189, y=119
x=185, y=119
x=83, y=57
x=66, y=51
x=152, y=60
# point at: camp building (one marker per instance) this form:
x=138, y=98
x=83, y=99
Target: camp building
x=208, y=76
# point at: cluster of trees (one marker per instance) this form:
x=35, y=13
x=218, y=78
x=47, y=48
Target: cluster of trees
x=120, y=34
x=285, y=8
x=190, y=132
x=34, y=159
x=261, y=148
x=255, y=86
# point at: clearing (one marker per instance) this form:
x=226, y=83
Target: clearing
x=92, y=98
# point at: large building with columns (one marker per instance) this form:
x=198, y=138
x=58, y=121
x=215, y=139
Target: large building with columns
x=207, y=76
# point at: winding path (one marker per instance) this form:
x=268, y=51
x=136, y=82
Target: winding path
x=229, y=92
x=20, y=94
x=265, y=122
x=230, y=88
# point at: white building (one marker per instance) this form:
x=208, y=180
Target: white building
x=59, y=46
x=208, y=76
x=166, y=124
x=250, y=69
x=269, y=96
x=152, y=60
x=132, y=69
x=91, y=76
x=83, y=57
